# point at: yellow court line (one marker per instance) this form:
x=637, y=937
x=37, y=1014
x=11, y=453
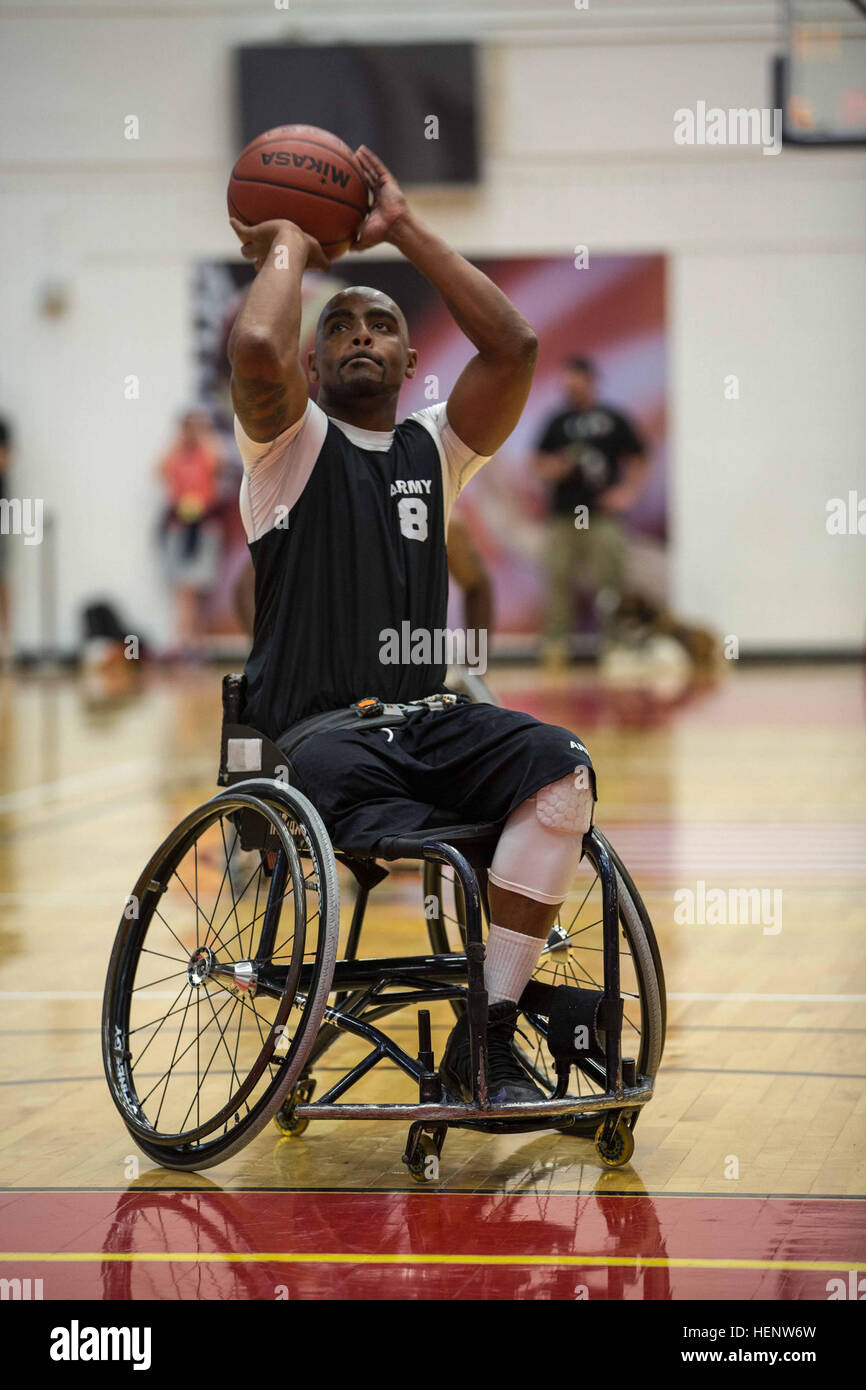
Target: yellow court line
x=293, y=1257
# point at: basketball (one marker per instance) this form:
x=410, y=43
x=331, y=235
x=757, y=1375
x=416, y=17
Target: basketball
x=305, y=175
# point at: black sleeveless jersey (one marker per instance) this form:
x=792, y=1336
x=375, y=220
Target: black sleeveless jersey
x=358, y=568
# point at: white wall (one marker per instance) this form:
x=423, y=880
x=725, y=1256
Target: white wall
x=767, y=269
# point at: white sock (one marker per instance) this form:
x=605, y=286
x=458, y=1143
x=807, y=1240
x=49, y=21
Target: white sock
x=510, y=960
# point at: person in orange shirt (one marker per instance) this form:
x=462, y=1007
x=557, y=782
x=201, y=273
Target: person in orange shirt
x=191, y=534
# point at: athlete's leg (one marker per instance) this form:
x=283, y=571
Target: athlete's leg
x=540, y=779
x=529, y=877
x=358, y=780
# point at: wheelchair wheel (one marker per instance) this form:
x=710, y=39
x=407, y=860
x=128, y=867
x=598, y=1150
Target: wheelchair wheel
x=572, y=955
x=220, y=974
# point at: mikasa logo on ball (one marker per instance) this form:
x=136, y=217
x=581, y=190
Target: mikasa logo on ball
x=306, y=161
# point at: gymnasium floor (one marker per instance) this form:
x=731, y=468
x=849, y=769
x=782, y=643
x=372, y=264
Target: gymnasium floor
x=747, y=1179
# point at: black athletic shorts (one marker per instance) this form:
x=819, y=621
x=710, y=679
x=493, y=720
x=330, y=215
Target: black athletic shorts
x=472, y=762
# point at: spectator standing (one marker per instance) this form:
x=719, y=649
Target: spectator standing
x=594, y=462
x=191, y=532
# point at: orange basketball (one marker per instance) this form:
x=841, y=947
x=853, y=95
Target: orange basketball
x=306, y=175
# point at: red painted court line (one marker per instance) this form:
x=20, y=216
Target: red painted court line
x=450, y=1224
x=162, y=1244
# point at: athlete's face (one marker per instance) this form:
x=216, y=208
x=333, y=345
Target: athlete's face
x=362, y=346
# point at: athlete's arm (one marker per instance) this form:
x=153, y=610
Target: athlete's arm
x=487, y=400
x=269, y=389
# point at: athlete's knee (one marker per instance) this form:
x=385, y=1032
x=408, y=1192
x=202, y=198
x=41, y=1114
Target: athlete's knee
x=538, y=849
x=566, y=805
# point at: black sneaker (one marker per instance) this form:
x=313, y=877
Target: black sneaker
x=508, y=1083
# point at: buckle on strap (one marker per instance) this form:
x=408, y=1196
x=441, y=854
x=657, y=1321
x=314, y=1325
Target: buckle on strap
x=368, y=707
x=443, y=701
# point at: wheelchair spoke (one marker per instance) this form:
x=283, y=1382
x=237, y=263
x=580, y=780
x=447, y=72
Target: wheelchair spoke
x=166, y=925
x=287, y=894
x=161, y=981
x=572, y=935
x=146, y=951
x=194, y=900
x=195, y=904
x=234, y=1001
x=171, y=1064
x=585, y=896
x=195, y=860
x=248, y=1005
x=200, y=1083
x=228, y=858
x=241, y=929
x=172, y=1011
x=222, y=1033
x=278, y=950
x=150, y=1025
x=197, y=1065
x=255, y=908
x=574, y=975
x=166, y=1074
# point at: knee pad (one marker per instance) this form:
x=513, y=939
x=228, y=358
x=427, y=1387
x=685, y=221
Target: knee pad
x=538, y=849
x=565, y=805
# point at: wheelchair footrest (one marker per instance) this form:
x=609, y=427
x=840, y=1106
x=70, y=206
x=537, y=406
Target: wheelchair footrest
x=453, y=1113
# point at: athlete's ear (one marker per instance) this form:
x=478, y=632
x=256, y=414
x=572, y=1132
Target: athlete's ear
x=312, y=369
x=411, y=362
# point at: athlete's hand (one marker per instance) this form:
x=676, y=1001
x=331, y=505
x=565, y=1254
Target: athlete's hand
x=256, y=242
x=389, y=203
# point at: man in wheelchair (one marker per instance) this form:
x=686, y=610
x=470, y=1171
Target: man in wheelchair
x=346, y=514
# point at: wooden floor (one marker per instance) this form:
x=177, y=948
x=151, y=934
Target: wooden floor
x=753, y=782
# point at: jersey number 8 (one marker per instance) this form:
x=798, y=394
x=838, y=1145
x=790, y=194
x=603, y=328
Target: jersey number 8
x=413, y=518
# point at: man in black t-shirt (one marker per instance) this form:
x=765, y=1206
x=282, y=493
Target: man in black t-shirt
x=346, y=511
x=593, y=460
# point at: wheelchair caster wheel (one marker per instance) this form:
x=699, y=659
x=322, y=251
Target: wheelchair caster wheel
x=618, y=1148
x=424, y=1166
x=290, y=1124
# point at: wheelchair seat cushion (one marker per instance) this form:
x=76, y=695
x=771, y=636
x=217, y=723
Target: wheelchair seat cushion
x=477, y=842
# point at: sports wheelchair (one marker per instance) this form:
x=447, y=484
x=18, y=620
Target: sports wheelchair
x=225, y=990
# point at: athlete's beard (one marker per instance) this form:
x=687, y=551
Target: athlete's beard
x=344, y=390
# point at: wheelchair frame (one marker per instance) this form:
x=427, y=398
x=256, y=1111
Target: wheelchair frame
x=360, y=986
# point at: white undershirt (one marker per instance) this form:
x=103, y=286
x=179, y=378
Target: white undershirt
x=276, y=473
